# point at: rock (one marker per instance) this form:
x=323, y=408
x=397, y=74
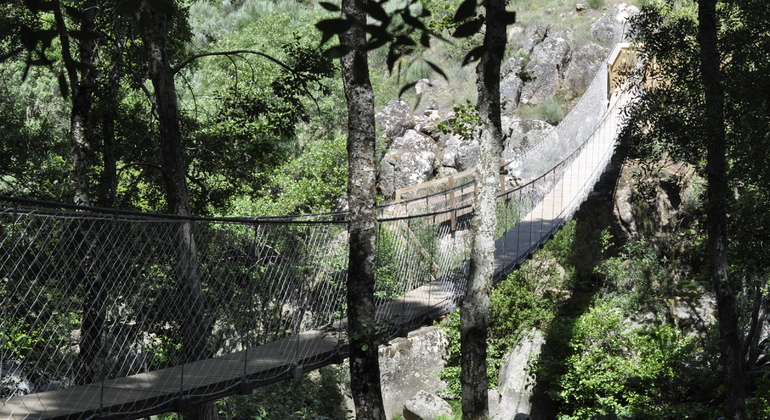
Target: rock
x=426, y=406
x=511, y=83
x=549, y=59
x=519, y=135
x=579, y=7
x=612, y=26
x=15, y=381
x=460, y=153
x=515, y=381
x=410, y=160
x=394, y=118
x=409, y=365
x=694, y=314
x=582, y=67
x=533, y=36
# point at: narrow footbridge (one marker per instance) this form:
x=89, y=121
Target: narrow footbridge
x=111, y=314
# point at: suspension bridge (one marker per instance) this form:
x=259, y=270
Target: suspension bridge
x=111, y=314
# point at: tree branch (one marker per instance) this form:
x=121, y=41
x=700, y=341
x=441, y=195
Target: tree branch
x=178, y=68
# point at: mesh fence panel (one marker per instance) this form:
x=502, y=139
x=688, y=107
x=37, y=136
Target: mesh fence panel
x=90, y=298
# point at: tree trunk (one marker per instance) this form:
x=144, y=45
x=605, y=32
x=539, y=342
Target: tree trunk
x=174, y=176
x=364, y=357
x=82, y=79
x=475, y=305
x=716, y=210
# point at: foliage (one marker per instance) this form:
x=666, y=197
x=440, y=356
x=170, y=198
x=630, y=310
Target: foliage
x=596, y=4
x=312, y=182
x=464, y=122
x=618, y=370
x=549, y=110
x=310, y=397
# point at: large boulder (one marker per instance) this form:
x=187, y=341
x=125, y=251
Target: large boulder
x=394, y=118
x=613, y=25
x=461, y=153
x=426, y=406
x=411, y=364
x=511, y=83
x=515, y=380
x=410, y=160
x=519, y=135
x=533, y=36
x=581, y=70
x=549, y=58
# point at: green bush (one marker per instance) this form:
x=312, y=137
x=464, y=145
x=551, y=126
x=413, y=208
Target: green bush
x=596, y=4
x=550, y=110
x=624, y=371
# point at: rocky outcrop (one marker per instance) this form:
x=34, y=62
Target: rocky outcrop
x=546, y=66
x=394, y=119
x=613, y=24
x=584, y=64
x=515, y=381
x=549, y=59
x=411, y=365
x=520, y=135
x=410, y=160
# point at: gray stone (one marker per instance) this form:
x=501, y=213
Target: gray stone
x=520, y=135
x=426, y=406
x=409, y=365
x=515, y=381
x=394, y=118
x=534, y=35
x=410, y=160
x=511, y=83
x=460, y=153
x=582, y=68
x=613, y=25
x=548, y=61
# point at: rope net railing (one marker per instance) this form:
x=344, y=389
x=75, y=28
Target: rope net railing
x=89, y=298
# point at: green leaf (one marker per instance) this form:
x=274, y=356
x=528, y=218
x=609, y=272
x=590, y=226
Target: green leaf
x=474, y=55
x=469, y=28
x=465, y=10
x=405, y=88
x=334, y=26
x=337, y=51
x=375, y=10
x=329, y=6
x=437, y=69
x=364, y=347
x=413, y=21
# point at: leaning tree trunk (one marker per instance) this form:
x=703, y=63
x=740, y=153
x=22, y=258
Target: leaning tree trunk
x=475, y=305
x=174, y=177
x=364, y=357
x=82, y=79
x=716, y=210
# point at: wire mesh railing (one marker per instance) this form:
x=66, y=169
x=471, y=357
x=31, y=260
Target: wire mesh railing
x=89, y=297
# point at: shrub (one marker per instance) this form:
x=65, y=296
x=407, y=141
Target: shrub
x=596, y=4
